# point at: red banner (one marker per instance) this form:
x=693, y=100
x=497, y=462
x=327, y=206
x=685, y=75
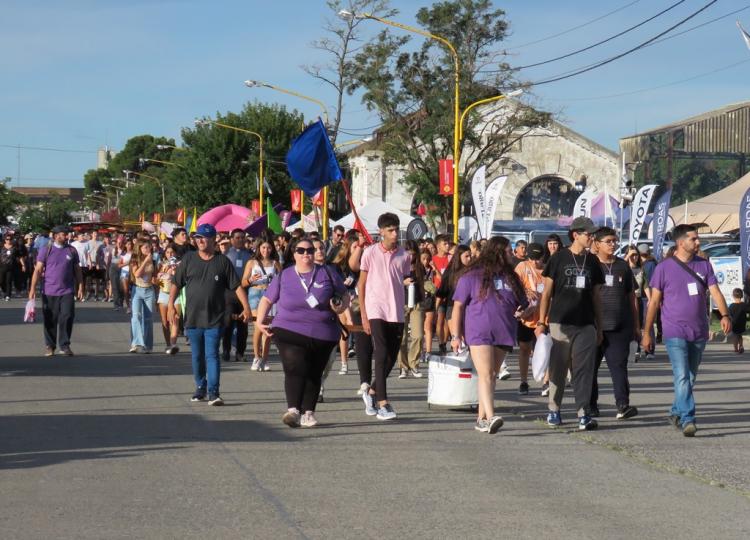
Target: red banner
x=446, y=177
x=181, y=216
x=255, y=206
x=296, y=195
x=317, y=199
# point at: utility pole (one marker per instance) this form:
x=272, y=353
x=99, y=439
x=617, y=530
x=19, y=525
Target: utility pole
x=670, y=149
x=18, y=163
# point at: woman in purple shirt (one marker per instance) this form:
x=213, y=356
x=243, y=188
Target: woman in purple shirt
x=309, y=298
x=487, y=302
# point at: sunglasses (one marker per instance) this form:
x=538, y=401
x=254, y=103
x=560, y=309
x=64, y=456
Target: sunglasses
x=304, y=251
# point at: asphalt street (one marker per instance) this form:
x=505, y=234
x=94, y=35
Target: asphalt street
x=107, y=445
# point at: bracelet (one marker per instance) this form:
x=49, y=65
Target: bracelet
x=542, y=324
x=727, y=315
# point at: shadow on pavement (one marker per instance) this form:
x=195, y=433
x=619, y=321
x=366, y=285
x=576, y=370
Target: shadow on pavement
x=42, y=440
x=117, y=365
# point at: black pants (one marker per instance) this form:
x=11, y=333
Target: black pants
x=6, y=279
x=234, y=307
x=616, y=347
x=386, y=342
x=363, y=350
x=59, y=312
x=304, y=359
x=114, y=278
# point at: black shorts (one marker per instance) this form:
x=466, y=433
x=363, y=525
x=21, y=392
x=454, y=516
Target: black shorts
x=525, y=334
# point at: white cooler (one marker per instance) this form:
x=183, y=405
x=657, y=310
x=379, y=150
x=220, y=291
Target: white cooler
x=452, y=381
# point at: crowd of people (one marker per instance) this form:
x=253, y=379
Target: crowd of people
x=387, y=303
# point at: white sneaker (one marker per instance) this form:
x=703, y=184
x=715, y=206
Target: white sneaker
x=256, y=365
x=291, y=418
x=369, y=400
x=344, y=369
x=495, y=423
x=308, y=420
x=504, y=374
x=416, y=373
x=364, y=387
x=386, y=412
x=264, y=366
x=403, y=374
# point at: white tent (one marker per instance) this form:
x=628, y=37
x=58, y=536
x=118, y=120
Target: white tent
x=720, y=211
x=369, y=215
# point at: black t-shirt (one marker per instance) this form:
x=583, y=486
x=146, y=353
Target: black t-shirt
x=738, y=313
x=205, y=283
x=617, y=312
x=180, y=250
x=8, y=255
x=571, y=304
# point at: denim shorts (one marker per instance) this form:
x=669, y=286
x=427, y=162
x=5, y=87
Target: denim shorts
x=254, y=295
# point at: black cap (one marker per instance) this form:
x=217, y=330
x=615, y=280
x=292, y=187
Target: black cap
x=60, y=229
x=535, y=251
x=583, y=224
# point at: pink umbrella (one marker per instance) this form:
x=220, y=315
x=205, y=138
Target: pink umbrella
x=227, y=217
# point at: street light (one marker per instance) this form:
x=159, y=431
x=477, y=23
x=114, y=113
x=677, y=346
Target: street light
x=349, y=16
x=260, y=84
x=143, y=161
x=155, y=179
x=170, y=146
x=206, y=122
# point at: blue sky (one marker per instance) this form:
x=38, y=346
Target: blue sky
x=76, y=75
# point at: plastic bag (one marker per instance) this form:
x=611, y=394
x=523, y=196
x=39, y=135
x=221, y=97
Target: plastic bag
x=30, y=314
x=540, y=360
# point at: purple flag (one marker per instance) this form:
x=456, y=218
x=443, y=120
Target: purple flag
x=661, y=217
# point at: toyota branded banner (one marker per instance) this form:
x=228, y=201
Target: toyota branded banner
x=478, y=194
x=745, y=232
x=582, y=207
x=492, y=198
x=661, y=220
x=641, y=202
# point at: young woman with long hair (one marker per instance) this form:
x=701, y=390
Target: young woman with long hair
x=258, y=274
x=141, y=321
x=488, y=300
x=124, y=265
x=411, y=342
x=341, y=264
x=428, y=303
x=170, y=329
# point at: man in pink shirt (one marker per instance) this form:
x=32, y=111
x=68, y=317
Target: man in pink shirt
x=384, y=270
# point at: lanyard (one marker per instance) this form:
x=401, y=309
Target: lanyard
x=301, y=280
x=579, y=271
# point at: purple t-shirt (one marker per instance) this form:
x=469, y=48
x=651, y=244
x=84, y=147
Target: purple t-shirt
x=295, y=314
x=488, y=320
x=59, y=269
x=684, y=309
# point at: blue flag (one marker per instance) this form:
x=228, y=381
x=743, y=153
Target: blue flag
x=661, y=217
x=311, y=161
x=745, y=232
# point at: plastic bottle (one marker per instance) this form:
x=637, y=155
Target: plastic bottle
x=410, y=302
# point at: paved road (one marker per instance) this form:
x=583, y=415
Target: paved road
x=107, y=445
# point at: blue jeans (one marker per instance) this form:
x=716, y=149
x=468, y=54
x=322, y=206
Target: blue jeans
x=204, y=345
x=142, y=318
x=685, y=357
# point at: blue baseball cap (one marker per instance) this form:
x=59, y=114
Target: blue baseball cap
x=206, y=230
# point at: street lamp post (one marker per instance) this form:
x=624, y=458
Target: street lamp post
x=155, y=179
x=261, y=182
x=260, y=84
x=348, y=15
x=151, y=160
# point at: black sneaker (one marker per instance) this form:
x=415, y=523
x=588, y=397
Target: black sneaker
x=586, y=423
x=626, y=412
x=594, y=411
x=199, y=395
x=442, y=348
x=215, y=400
x=523, y=389
x=674, y=420
x=545, y=390
x=225, y=356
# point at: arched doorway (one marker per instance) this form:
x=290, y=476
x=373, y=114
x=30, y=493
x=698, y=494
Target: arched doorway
x=547, y=196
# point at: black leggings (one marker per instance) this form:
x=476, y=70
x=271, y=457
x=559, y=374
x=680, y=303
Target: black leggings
x=386, y=342
x=616, y=348
x=363, y=350
x=304, y=359
x=233, y=307
x=6, y=278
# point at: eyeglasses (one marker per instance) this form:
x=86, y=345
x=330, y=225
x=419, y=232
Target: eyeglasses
x=610, y=242
x=304, y=251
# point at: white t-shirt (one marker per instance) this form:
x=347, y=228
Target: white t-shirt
x=83, y=249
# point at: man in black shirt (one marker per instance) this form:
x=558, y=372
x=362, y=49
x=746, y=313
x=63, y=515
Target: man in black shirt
x=181, y=244
x=620, y=323
x=570, y=311
x=206, y=275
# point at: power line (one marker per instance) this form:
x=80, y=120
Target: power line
x=629, y=51
x=569, y=30
x=699, y=25
x=47, y=149
x=641, y=90
x=568, y=55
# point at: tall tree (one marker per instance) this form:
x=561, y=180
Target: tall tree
x=412, y=92
x=9, y=201
x=43, y=217
x=221, y=165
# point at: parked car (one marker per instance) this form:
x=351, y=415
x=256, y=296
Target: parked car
x=721, y=249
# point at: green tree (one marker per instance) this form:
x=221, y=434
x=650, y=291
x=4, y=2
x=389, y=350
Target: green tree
x=412, y=92
x=9, y=202
x=220, y=165
x=43, y=217
x=94, y=180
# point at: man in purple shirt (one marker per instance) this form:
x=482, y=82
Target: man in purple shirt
x=57, y=264
x=680, y=285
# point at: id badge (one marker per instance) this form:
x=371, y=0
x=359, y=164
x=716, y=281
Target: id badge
x=540, y=287
x=609, y=280
x=693, y=289
x=580, y=282
x=238, y=263
x=311, y=301
x=498, y=284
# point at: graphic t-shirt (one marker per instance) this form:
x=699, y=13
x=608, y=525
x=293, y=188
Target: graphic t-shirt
x=440, y=263
x=617, y=313
x=684, y=305
x=205, y=283
x=574, y=277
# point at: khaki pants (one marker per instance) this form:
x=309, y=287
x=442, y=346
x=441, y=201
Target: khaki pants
x=573, y=348
x=411, y=342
